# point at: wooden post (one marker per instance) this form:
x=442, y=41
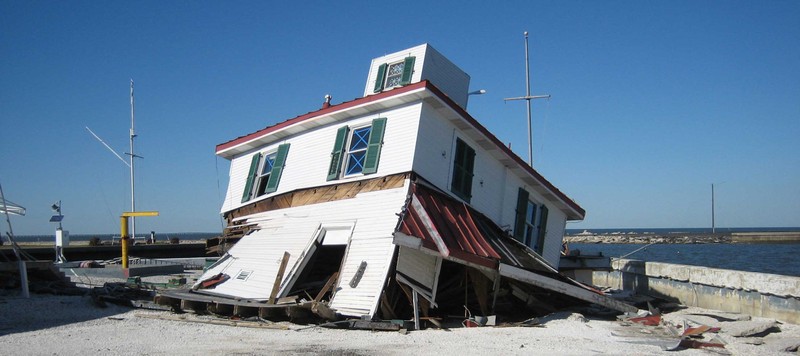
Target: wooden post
x=276, y=287
x=416, y=309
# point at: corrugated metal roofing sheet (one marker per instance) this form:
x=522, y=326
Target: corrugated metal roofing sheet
x=454, y=229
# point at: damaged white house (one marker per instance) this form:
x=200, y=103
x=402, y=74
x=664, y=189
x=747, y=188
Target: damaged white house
x=394, y=197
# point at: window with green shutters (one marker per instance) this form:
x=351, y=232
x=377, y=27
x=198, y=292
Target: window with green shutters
x=530, y=223
x=357, y=150
x=265, y=173
x=392, y=75
x=463, y=165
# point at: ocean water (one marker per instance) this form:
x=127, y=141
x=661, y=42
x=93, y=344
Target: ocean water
x=765, y=258
x=183, y=236
x=687, y=230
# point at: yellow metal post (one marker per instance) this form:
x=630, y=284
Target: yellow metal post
x=123, y=227
x=123, y=223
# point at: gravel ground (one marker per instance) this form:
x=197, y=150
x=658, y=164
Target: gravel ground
x=72, y=325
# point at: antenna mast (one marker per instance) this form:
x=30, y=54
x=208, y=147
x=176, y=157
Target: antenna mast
x=132, y=156
x=528, y=98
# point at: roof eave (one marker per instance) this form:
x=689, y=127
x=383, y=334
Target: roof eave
x=325, y=116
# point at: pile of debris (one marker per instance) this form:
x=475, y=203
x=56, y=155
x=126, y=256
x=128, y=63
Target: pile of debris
x=708, y=330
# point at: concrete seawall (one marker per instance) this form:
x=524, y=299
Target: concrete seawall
x=765, y=237
x=757, y=294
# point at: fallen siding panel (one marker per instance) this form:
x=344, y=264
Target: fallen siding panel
x=564, y=288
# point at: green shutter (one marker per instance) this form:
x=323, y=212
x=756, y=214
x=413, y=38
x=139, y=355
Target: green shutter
x=469, y=165
x=337, y=153
x=251, y=177
x=408, y=70
x=463, y=164
x=542, y=229
x=374, y=146
x=379, y=79
x=519, y=219
x=277, y=168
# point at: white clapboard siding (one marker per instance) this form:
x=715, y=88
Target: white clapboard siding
x=497, y=197
x=418, y=52
x=422, y=268
x=446, y=76
x=429, y=65
x=374, y=216
x=310, y=154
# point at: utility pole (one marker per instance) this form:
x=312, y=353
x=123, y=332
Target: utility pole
x=528, y=98
x=713, y=227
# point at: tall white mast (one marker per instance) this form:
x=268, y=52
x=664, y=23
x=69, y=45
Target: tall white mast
x=528, y=98
x=132, y=156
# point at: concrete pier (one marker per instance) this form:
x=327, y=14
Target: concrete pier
x=766, y=237
x=757, y=294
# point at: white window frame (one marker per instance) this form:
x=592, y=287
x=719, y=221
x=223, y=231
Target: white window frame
x=389, y=76
x=348, y=152
x=260, y=182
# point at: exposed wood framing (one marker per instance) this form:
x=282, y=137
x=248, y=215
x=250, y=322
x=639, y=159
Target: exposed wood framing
x=318, y=195
x=279, y=278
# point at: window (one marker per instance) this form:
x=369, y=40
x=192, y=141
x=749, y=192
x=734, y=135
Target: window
x=463, y=165
x=394, y=74
x=531, y=222
x=357, y=151
x=265, y=173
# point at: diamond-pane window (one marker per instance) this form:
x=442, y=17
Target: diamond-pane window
x=394, y=75
x=357, y=150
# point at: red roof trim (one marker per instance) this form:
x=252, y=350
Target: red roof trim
x=323, y=111
x=505, y=149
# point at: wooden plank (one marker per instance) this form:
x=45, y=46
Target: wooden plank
x=327, y=286
x=481, y=286
x=279, y=278
x=564, y=288
x=374, y=325
x=240, y=323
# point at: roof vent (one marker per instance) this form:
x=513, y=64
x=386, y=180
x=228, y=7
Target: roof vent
x=327, y=102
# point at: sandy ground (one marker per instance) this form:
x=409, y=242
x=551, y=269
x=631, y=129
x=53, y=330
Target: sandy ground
x=72, y=325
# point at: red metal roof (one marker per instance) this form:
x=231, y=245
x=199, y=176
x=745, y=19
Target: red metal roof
x=448, y=226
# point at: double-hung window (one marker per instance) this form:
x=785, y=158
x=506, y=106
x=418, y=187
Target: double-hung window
x=357, y=150
x=531, y=222
x=265, y=173
x=463, y=165
x=392, y=75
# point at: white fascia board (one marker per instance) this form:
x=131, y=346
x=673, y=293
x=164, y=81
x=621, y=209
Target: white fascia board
x=326, y=119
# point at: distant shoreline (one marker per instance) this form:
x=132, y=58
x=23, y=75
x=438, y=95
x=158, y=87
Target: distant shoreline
x=685, y=238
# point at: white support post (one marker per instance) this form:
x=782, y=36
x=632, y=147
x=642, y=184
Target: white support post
x=23, y=276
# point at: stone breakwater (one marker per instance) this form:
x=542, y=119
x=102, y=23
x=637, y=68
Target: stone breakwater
x=633, y=238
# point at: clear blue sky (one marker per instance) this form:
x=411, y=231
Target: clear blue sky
x=652, y=101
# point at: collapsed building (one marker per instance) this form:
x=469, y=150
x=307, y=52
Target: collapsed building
x=391, y=205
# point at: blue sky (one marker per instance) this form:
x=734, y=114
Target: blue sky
x=652, y=102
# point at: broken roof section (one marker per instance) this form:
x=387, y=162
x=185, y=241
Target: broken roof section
x=437, y=224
